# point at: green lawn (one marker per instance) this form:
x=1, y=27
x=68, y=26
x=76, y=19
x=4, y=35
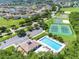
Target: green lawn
x=49, y=22
x=72, y=9
x=6, y=37
x=69, y=38
x=9, y=22
x=10, y=49
x=39, y=36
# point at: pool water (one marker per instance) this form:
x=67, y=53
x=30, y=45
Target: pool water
x=51, y=43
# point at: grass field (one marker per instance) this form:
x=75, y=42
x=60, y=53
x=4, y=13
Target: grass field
x=66, y=37
x=69, y=38
x=10, y=49
x=49, y=22
x=72, y=9
x=6, y=37
x=8, y=23
x=39, y=36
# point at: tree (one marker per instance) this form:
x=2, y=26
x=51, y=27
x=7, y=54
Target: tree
x=28, y=20
x=3, y=29
x=40, y=55
x=45, y=26
x=29, y=23
x=22, y=23
x=21, y=33
x=46, y=14
x=50, y=34
x=55, y=36
x=54, y=7
x=60, y=56
x=14, y=27
x=41, y=22
x=35, y=17
x=11, y=54
x=60, y=39
x=30, y=28
x=45, y=55
x=36, y=26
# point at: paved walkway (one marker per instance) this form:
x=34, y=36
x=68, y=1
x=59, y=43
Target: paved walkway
x=12, y=30
x=35, y=32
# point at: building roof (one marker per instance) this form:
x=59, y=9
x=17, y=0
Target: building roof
x=16, y=16
x=28, y=45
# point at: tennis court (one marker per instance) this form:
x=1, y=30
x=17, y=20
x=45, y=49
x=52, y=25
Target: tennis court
x=60, y=29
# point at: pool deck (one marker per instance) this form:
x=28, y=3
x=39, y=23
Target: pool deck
x=52, y=49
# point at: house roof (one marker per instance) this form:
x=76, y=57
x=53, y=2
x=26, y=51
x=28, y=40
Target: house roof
x=28, y=45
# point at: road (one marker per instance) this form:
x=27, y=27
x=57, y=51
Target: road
x=18, y=40
x=14, y=40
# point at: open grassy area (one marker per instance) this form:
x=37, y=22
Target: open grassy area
x=10, y=49
x=71, y=9
x=6, y=37
x=66, y=38
x=69, y=38
x=39, y=36
x=9, y=22
x=49, y=22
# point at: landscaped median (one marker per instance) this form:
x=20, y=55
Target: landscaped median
x=39, y=35
x=49, y=21
x=6, y=37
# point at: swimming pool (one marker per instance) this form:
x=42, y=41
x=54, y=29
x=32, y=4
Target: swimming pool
x=53, y=44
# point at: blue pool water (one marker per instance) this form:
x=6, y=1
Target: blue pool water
x=51, y=43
